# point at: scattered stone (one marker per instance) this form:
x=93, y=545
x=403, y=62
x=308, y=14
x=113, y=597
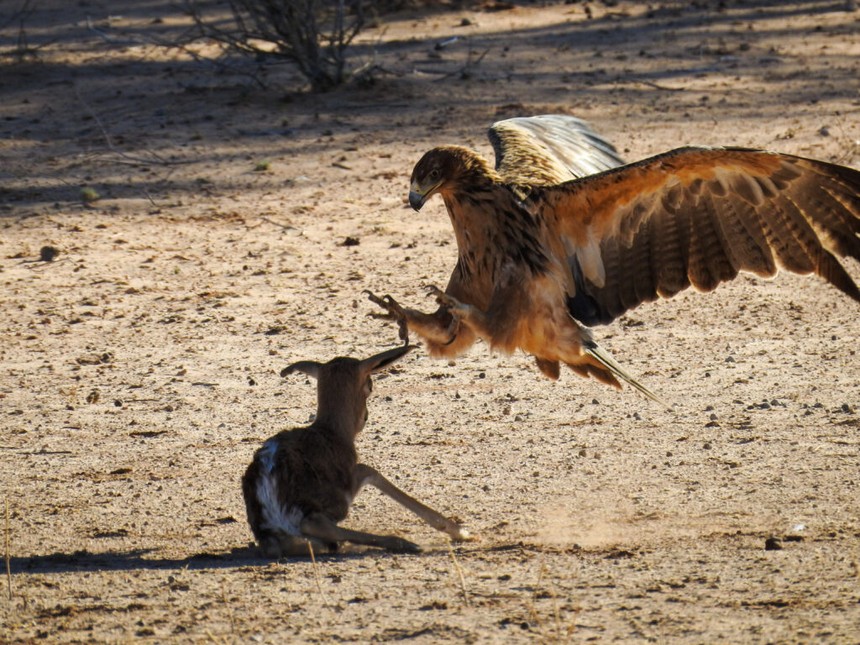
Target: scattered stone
x=48, y=253
x=89, y=195
x=764, y=405
x=772, y=544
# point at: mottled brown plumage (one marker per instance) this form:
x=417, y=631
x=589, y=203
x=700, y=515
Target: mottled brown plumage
x=560, y=235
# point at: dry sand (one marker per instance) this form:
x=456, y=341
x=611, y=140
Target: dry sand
x=140, y=367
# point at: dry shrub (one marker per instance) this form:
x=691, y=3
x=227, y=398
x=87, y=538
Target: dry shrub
x=313, y=34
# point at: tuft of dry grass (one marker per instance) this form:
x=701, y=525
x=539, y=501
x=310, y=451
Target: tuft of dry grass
x=459, y=571
x=317, y=575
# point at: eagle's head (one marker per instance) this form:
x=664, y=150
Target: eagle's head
x=444, y=170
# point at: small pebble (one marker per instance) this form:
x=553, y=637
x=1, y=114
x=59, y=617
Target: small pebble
x=48, y=253
x=772, y=544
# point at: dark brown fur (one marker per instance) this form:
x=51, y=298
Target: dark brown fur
x=311, y=475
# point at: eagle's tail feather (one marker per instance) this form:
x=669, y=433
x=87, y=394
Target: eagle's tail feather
x=603, y=357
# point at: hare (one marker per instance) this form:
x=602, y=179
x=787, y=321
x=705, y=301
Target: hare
x=303, y=481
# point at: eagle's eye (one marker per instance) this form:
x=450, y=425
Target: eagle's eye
x=434, y=174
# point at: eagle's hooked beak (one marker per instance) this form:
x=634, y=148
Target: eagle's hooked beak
x=417, y=199
x=420, y=192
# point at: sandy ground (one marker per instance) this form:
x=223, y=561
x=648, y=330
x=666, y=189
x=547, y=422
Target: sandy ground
x=139, y=369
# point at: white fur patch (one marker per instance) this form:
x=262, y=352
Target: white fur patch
x=266, y=456
x=275, y=517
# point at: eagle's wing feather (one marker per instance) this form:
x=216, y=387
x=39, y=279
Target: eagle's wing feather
x=698, y=216
x=549, y=149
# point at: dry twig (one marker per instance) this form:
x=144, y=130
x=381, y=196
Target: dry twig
x=459, y=570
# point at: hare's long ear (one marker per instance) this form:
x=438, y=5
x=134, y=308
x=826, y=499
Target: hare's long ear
x=311, y=368
x=384, y=359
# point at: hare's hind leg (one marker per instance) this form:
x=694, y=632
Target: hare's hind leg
x=320, y=527
x=283, y=545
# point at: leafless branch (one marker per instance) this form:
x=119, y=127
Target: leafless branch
x=22, y=47
x=312, y=34
x=153, y=159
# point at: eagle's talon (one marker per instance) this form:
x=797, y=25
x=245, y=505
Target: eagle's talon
x=442, y=298
x=393, y=311
x=453, y=329
x=454, y=307
x=391, y=306
x=433, y=290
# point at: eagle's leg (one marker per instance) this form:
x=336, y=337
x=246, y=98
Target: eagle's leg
x=468, y=315
x=393, y=311
x=439, y=329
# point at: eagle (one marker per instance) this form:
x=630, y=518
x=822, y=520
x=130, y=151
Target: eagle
x=561, y=235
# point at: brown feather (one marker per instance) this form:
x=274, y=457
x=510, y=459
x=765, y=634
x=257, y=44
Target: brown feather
x=700, y=216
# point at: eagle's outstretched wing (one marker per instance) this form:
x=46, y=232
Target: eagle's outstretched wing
x=698, y=216
x=549, y=149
